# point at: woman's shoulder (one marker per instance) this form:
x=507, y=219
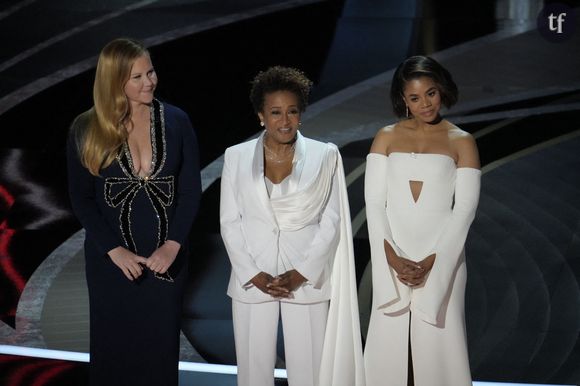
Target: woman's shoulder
x=388, y=132
x=175, y=118
x=78, y=129
x=384, y=137
x=324, y=149
x=242, y=147
x=457, y=136
x=463, y=143
x=389, y=129
x=81, y=123
x=314, y=144
x=82, y=120
x=455, y=132
x=173, y=110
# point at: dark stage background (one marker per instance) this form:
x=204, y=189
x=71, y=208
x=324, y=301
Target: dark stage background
x=338, y=43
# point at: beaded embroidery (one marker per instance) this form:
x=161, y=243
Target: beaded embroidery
x=120, y=191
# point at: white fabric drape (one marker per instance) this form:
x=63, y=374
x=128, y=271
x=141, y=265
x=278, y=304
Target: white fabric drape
x=296, y=210
x=342, y=358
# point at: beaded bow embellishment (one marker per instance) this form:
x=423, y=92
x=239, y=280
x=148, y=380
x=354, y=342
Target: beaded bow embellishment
x=120, y=191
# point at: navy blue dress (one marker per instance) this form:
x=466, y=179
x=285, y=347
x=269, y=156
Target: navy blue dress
x=134, y=325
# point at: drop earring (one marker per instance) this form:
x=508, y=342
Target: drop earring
x=407, y=110
x=262, y=123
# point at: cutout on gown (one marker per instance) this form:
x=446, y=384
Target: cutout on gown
x=416, y=189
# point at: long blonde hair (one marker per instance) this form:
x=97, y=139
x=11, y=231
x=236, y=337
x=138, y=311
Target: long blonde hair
x=106, y=131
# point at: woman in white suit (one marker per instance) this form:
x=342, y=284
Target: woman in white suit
x=286, y=226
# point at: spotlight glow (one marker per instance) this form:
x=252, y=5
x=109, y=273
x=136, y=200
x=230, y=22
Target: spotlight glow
x=84, y=357
x=184, y=366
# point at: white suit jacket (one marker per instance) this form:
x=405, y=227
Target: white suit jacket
x=250, y=232
x=322, y=250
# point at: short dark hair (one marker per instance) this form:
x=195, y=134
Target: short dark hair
x=416, y=67
x=280, y=78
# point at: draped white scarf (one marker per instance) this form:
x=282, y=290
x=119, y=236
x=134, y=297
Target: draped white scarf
x=295, y=210
x=342, y=359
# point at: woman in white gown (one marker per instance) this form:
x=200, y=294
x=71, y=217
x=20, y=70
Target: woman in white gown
x=421, y=191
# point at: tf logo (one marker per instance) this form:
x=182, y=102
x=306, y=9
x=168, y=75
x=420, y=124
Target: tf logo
x=557, y=22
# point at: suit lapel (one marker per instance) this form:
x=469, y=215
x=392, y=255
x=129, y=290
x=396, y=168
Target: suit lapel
x=258, y=180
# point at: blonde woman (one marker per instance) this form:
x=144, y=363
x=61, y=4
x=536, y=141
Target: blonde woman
x=134, y=185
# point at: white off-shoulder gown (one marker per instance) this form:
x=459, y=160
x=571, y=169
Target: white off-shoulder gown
x=432, y=315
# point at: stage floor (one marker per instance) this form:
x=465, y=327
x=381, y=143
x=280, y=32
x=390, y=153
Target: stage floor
x=198, y=374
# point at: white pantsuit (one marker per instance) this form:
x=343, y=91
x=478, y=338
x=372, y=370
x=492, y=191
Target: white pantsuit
x=300, y=227
x=256, y=330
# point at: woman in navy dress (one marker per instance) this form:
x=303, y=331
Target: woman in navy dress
x=134, y=185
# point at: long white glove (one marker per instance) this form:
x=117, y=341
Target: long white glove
x=450, y=245
x=385, y=291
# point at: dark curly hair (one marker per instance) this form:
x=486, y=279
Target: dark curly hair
x=416, y=67
x=280, y=78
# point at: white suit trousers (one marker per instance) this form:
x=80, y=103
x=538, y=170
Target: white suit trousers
x=256, y=331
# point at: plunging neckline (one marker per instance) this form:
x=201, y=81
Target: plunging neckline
x=277, y=183
x=157, y=138
x=129, y=154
